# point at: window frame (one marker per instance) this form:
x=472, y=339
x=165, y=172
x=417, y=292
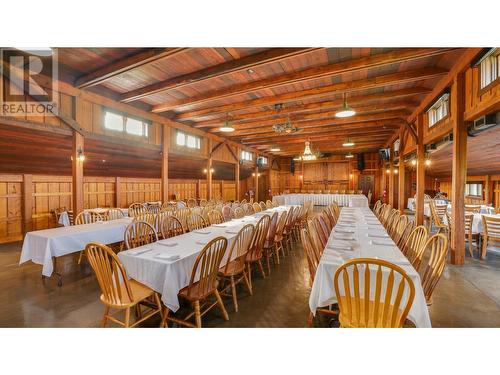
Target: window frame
x=445, y=97
x=246, y=159
x=479, y=186
x=187, y=136
x=495, y=52
x=125, y=117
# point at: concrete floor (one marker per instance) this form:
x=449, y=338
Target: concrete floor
x=467, y=296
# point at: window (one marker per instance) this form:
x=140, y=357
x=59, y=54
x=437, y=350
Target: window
x=474, y=189
x=490, y=67
x=246, y=155
x=263, y=160
x=439, y=110
x=187, y=140
x=122, y=123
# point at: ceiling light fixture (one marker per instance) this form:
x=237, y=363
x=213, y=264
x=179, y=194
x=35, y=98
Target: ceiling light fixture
x=349, y=155
x=414, y=162
x=346, y=111
x=275, y=149
x=349, y=143
x=227, y=127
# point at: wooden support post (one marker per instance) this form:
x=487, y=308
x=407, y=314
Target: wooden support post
x=209, y=172
x=402, y=174
x=164, y=164
x=269, y=177
x=27, y=203
x=458, y=173
x=118, y=192
x=222, y=190
x=198, y=189
x=77, y=173
x=383, y=181
x=237, y=175
x=391, y=177
x=419, y=214
x=256, y=196
x=487, y=190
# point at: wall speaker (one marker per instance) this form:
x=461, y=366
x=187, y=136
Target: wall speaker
x=292, y=166
x=361, y=162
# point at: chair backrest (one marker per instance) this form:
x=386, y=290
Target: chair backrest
x=491, y=226
x=114, y=214
x=272, y=229
x=228, y=213
x=281, y=224
x=474, y=208
x=311, y=254
x=154, y=208
x=147, y=217
x=414, y=246
x=182, y=214
x=289, y=219
x=195, y=222
x=406, y=233
x=203, y=202
x=181, y=205
x=259, y=237
x=248, y=209
x=139, y=233
x=136, y=209
x=206, y=267
x=469, y=219
x=435, y=215
x=191, y=202
x=239, y=213
x=328, y=219
x=399, y=228
x=269, y=204
x=321, y=230
x=110, y=274
x=373, y=293
x=256, y=207
x=263, y=206
x=377, y=205
x=87, y=217
x=215, y=217
x=244, y=201
x=437, y=245
x=369, y=196
x=171, y=226
x=240, y=246
x=314, y=236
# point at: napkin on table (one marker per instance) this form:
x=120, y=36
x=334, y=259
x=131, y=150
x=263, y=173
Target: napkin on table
x=168, y=256
x=383, y=242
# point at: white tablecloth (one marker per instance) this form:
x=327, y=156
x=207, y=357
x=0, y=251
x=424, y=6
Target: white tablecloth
x=323, y=292
x=40, y=246
x=477, y=222
x=169, y=277
x=343, y=200
x=64, y=218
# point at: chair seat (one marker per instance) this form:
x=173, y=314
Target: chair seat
x=278, y=238
x=197, y=292
x=351, y=322
x=233, y=268
x=139, y=293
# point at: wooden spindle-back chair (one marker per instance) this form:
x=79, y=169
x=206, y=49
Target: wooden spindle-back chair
x=473, y=208
x=139, y=233
x=248, y=209
x=263, y=206
x=195, y=222
x=491, y=232
x=278, y=238
x=203, y=202
x=171, y=226
x=182, y=214
x=406, y=233
x=256, y=207
x=256, y=250
x=437, y=217
x=148, y=217
x=399, y=228
x=437, y=246
x=387, y=307
x=323, y=234
x=227, y=213
x=191, y=202
x=414, y=246
x=181, y=205
x=136, y=209
x=239, y=213
x=269, y=204
x=118, y=291
x=114, y=214
x=269, y=244
x=234, y=272
x=468, y=227
x=202, y=284
x=154, y=208
x=289, y=226
x=87, y=217
x=376, y=207
x=215, y=217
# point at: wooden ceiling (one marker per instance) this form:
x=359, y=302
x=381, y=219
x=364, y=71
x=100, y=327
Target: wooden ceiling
x=200, y=86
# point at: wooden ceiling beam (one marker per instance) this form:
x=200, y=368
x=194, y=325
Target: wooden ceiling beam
x=258, y=131
x=353, y=65
x=414, y=75
x=462, y=63
x=353, y=100
x=360, y=111
x=124, y=65
x=247, y=62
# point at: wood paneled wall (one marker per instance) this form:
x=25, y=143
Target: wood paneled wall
x=139, y=190
x=10, y=208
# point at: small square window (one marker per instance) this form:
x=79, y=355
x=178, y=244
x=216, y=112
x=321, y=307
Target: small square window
x=134, y=126
x=113, y=121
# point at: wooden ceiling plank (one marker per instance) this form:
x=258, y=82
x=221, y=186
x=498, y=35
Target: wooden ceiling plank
x=353, y=100
x=414, y=75
x=352, y=65
x=247, y=62
x=124, y=65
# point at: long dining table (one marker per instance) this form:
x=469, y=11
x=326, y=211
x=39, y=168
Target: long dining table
x=359, y=234
x=165, y=266
x=343, y=200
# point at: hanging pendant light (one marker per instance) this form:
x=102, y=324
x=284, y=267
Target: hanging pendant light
x=346, y=111
x=227, y=127
x=349, y=155
x=349, y=143
x=308, y=155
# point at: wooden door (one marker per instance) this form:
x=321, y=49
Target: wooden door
x=366, y=182
x=263, y=187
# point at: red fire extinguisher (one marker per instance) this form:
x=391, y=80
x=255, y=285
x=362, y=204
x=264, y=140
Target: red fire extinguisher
x=384, y=196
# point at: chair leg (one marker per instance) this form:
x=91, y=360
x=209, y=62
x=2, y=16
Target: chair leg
x=221, y=305
x=164, y=322
x=249, y=265
x=247, y=283
x=80, y=257
x=127, y=317
x=105, y=316
x=469, y=239
x=310, y=319
x=277, y=252
x=485, y=246
x=261, y=269
x=233, y=291
x=158, y=303
x=268, y=256
x=197, y=314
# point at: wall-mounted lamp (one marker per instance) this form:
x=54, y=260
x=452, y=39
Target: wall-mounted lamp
x=253, y=174
x=351, y=175
x=211, y=170
x=395, y=171
x=301, y=177
x=414, y=162
x=427, y=162
x=79, y=155
x=387, y=171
